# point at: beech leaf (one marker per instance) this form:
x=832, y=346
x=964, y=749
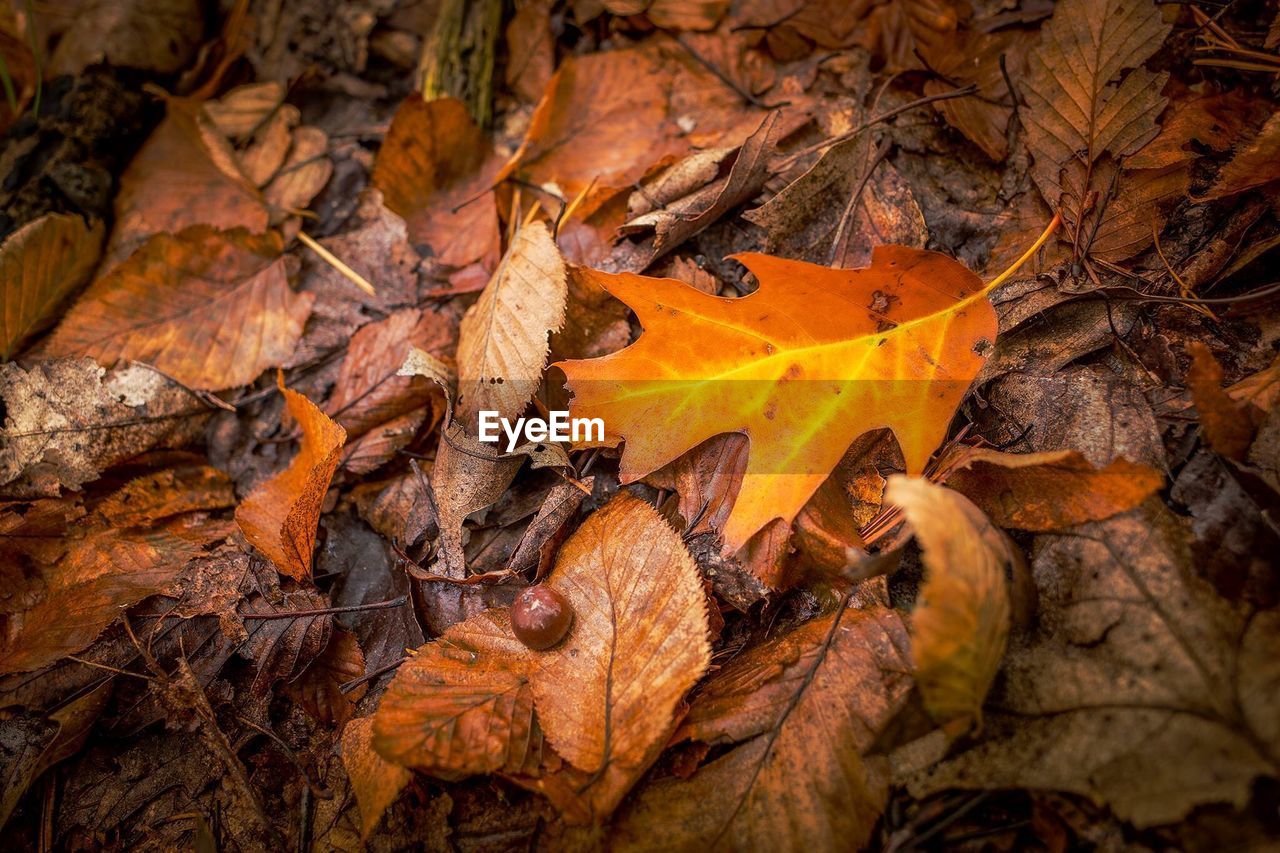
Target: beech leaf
x=42, y=264
x=212, y=309
x=608, y=693
x=463, y=704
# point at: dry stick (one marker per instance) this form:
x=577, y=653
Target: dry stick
x=347, y=686
x=873, y=121
x=327, y=611
x=336, y=262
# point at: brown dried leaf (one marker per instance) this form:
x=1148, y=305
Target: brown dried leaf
x=42, y=264
x=212, y=309
x=239, y=112
x=161, y=36
x=607, y=695
x=1048, y=491
x=302, y=175
x=376, y=782
x=185, y=158
x=1080, y=120
x=503, y=343
x=319, y=688
x=960, y=624
x=1252, y=166
x=1141, y=687
x=463, y=705
x=435, y=168
x=810, y=702
x=1226, y=421
x=279, y=517
x=106, y=569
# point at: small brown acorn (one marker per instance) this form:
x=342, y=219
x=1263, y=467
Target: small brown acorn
x=540, y=617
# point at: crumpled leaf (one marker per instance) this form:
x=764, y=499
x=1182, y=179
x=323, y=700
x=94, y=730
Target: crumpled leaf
x=212, y=309
x=67, y=420
x=1048, y=491
x=1082, y=116
x=607, y=694
x=41, y=264
x=375, y=781
x=279, y=517
x=436, y=169
x=960, y=624
x=1156, y=697
x=673, y=14
x=809, y=702
x=462, y=705
x=794, y=358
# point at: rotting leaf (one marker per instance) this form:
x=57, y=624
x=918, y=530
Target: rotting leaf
x=1157, y=697
x=279, y=517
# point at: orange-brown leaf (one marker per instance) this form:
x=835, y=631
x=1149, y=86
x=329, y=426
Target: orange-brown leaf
x=185, y=174
x=607, y=695
x=279, y=517
x=41, y=264
x=1253, y=165
x=1048, y=491
x=803, y=366
x=810, y=702
x=375, y=781
x=212, y=309
x=960, y=625
x=463, y=705
x=1226, y=421
x=435, y=168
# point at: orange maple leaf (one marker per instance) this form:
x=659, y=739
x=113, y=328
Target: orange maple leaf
x=803, y=366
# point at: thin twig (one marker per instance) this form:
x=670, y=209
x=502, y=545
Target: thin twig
x=336, y=262
x=326, y=611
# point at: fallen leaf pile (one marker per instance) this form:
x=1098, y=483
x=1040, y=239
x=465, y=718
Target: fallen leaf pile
x=932, y=350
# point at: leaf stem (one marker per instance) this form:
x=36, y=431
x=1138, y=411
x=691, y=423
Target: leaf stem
x=1026, y=256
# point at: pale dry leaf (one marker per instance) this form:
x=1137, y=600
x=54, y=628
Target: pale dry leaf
x=212, y=309
x=42, y=264
x=67, y=420
x=960, y=624
x=503, y=343
x=239, y=112
x=279, y=517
